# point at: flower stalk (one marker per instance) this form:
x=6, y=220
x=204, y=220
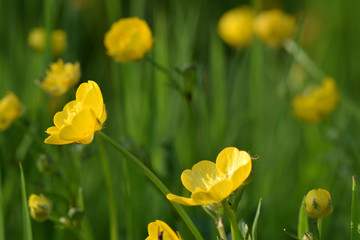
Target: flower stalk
x=158, y=183
x=235, y=231
x=301, y=57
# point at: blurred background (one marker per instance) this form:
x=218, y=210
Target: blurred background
x=232, y=97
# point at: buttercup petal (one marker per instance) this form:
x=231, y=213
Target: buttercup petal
x=89, y=94
x=216, y=193
x=183, y=200
x=56, y=140
x=199, y=175
x=82, y=125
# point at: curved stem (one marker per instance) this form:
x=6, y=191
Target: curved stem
x=235, y=231
x=301, y=57
x=158, y=183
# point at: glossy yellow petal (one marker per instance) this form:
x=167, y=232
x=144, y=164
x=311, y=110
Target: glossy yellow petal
x=82, y=125
x=235, y=164
x=56, y=140
x=52, y=130
x=59, y=119
x=183, y=200
x=89, y=94
x=216, y=193
x=160, y=228
x=200, y=174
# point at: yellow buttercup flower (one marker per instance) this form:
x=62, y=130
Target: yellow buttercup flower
x=160, y=230
x=128, y=39
x=235, y=26
x=318, y=203
x=37, y=40
x=10, y=109
x=316, y=104
x=273, y=27
x=40, y=207
x=80, y=118
x=60, y=78
x=211, y=182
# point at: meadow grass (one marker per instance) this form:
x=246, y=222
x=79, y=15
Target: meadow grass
x=189, y=98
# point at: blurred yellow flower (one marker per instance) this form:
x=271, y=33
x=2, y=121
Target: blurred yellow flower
x=60, y=78
x=235, y=26
x=10, y=109
x=58, y=42
x=160, y=230
x=316, y=104
x=318, y=203
x=128, y=39
x=273, y=27
x=40, y=207
x=37, y=40
x=211, y=182
x=80, y=118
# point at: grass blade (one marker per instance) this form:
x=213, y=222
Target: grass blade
x=254, y=226
x=2, y=232
x=303, y=225
x=354, y=212
x=26, y=217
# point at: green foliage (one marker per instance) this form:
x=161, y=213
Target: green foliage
x=216, y=97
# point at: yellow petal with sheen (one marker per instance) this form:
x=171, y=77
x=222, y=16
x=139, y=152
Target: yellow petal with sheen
x=82, y=125
x=89, y=94
x=216, y=193
x=59, y=119
x=182, y=200
x=196, y=177
x=55, y=139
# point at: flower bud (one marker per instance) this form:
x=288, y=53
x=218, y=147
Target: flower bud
x=40, y=207
x=235, y=26
x=45, y=163
x=307, y=236
x=318, y=203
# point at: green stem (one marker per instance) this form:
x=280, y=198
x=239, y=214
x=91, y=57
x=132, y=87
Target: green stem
x=235, y=231
x=48, y=20
x=158, y=183
x=111, y=198
x=301, y=57
x=319, y=225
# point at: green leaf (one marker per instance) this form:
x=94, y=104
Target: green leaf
x=303, y=225
x=355, y=234
x=26, y=217
x=254, y=226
